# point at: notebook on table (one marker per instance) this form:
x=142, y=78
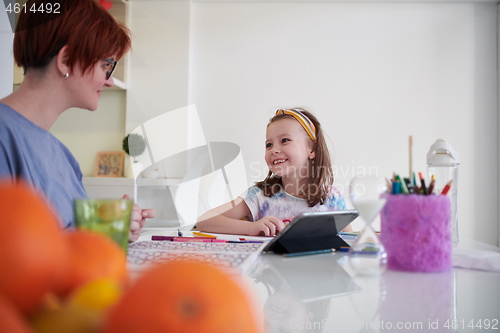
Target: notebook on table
x=238, y=256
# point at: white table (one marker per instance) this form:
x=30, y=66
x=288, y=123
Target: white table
x=321, y=293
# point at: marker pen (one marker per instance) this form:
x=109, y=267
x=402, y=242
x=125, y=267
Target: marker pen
x=447, y=188
x=409, y=185
x=162, y=238
x=431, y=185
x=245, y=241
x=403, y=185
x=396, y=187
x=422, y=181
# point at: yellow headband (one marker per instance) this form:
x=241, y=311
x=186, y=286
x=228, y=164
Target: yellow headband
x=302, y=119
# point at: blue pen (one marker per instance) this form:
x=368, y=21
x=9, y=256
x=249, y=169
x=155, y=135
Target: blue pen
x=396, y=187
x=306, y=253
x=245, y=241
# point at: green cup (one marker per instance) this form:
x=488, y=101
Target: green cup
x=106, y=216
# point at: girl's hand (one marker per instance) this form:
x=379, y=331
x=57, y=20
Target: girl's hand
x=266, y=226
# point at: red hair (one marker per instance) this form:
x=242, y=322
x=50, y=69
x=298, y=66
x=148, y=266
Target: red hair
x=88, y=30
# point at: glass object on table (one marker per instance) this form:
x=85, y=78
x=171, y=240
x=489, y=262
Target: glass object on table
x=367, y=255
x=106, y=216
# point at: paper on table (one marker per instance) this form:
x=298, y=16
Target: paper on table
x=476, y=259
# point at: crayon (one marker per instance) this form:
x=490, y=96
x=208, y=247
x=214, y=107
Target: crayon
x=197, y=233
x=192, y=239
x=389, y=185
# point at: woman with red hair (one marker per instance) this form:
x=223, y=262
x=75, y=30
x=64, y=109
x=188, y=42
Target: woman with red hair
x=68, y=56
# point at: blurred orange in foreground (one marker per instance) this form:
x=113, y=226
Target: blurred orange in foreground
x=184, y=297
x=32, y=249
x=91, y=256
x=11, y=320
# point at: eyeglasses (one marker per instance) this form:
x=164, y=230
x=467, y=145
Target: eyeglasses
x=113, y=67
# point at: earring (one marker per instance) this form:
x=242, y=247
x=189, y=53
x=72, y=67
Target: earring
x=66, y=75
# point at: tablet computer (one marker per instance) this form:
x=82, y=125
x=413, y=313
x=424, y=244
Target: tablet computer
x=312, y=231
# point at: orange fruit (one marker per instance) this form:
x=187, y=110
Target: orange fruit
x=67, y=319
x=184, y=296
x=97, y=295
x=91, y=256
x=32, y=249
x=11, y=320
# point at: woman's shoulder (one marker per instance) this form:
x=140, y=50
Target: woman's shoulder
x=7, y=116
x=14, y=122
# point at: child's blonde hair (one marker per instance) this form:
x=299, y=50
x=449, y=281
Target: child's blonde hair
x=320, y=177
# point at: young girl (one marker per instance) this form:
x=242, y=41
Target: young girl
x=299, y=180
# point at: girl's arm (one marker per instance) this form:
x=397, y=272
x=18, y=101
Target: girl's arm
x=226, y=219
x=348, y=228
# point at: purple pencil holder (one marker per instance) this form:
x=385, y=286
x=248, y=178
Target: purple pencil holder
x=416, y=232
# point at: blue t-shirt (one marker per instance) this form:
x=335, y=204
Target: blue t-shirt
x=285, y=206
x=35, y=155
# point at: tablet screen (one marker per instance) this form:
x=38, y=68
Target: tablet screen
x=312, y=231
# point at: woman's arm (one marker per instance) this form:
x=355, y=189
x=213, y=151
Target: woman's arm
x=348, y=228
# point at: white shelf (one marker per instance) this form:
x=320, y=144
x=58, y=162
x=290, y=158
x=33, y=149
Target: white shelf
x=121, y=181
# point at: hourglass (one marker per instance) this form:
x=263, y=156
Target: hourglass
x=367, y=255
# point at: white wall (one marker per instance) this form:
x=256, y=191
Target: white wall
x=158, y=64
x=86, y=133
x=374, y=73
x=6, y=56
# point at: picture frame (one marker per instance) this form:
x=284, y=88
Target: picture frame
x=109, y=164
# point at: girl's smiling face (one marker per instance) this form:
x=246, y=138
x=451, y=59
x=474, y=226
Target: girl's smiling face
x=288, y=149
